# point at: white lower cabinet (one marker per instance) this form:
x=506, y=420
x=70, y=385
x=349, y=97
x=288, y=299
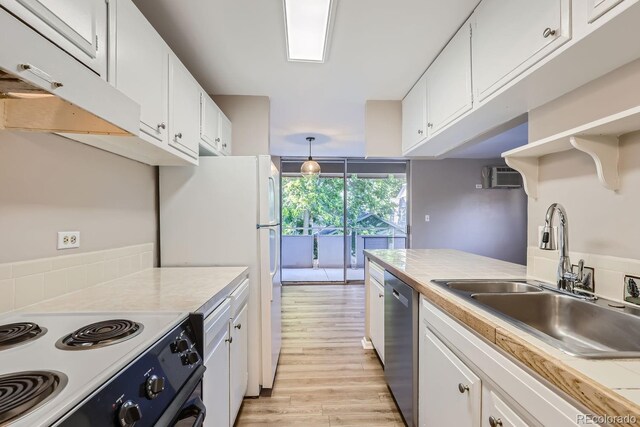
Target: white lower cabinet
x=497, y=412
x=464, y=381
x=215, y=384
x=448, y=383
x=238, y=362
x=376, y=318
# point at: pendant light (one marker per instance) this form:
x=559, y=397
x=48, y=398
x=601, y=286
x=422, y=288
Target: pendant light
x=310, y=167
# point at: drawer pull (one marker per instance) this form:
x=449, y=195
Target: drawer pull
x=229, y=340
x=380, y=295
x=238, y=326
x=548, y=32
x=495, y=422
x=462, y=388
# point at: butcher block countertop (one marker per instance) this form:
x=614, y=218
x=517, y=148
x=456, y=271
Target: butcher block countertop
x=605, y=387
x=175, y=289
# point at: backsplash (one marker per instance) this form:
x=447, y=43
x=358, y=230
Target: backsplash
x=29, y=282
x=609, y=271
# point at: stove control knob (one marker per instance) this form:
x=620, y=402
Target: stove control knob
x=180, y=346
x=190, y=358
x=154, y=386
x=129, y=414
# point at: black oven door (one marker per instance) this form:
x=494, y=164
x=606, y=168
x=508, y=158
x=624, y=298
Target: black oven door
x=187, y=409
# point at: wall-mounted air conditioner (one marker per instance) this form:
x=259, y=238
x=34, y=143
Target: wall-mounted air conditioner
x=500, y=177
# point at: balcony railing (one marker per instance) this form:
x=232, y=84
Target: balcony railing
x=323, y=247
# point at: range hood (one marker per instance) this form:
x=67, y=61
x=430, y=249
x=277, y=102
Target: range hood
x=44, y=89
x=24, y=106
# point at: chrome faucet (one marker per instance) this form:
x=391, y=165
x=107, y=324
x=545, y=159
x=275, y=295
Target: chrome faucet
x=566, y=279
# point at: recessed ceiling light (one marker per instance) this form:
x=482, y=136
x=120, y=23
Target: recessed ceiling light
x=307, y=29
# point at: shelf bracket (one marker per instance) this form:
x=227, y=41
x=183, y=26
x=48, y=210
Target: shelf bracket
x=528, y=168
x=604, y=150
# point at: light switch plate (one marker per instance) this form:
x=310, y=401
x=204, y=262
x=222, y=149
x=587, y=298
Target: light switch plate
x=68, y=239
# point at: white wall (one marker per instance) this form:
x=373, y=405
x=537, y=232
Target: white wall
x=383, y=129
x=250, y=117
x=600, y=221
x=492, y=223
x=50, y=184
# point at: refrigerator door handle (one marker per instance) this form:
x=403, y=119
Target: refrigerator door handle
x=259, y=226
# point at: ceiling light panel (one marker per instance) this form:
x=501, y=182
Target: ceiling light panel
x=307, y=29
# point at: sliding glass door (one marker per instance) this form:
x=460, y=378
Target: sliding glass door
x=330, y=219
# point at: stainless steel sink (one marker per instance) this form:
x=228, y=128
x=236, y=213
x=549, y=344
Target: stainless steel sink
x=582, y=327
x=475, y=286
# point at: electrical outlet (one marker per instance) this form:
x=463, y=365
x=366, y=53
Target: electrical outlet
x=68, y=239
x=427, y=218
x=478, y=186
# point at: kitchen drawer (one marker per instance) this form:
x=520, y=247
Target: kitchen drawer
x=239, y=297
x=495, y=411
x=216, y=324
x=376, y=272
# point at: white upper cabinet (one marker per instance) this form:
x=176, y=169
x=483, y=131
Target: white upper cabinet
x=450, y=393
x=78, y=27
x=224, y=133
x=414, y=115
x=509, y=36
x=209, y=112
x=184, y=112
x=597, y=8
x=141, y=68
x=448, y=91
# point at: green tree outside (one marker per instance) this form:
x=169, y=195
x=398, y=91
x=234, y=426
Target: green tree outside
x=313, y=203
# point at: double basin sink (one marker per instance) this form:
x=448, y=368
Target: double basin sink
x=584, y=327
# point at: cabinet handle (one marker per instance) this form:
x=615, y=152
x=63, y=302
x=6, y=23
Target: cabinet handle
x=179, y=135
x=548, y=32
x=495, y=422
x=229, y=340
x=429, y=125
x=463, y=388
x=162, y=126
x=420, y=132
x=224, y=145
x=41, y=74
x=217, y=139
x=380, y=295
x=238, y=326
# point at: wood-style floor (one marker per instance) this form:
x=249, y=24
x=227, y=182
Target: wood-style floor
x=325, y=378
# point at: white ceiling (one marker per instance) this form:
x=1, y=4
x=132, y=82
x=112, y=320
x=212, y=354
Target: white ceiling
x=379, y=48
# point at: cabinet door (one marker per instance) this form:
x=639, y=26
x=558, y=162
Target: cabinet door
x=378, y=318
x=496, y=412
x=184, y=108
x=597, y=8
x=78, y=27
x=414, y=115
x=215, y=383
x=449, y=391
x=239, y=362
x=224, y=136
x=449, y=92
x=509, y=36
x=209, y=123
x=141, y=58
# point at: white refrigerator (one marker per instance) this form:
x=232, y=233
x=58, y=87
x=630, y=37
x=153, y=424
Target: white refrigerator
x=225, y=212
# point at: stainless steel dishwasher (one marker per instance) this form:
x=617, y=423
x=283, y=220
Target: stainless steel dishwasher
x=401, y=345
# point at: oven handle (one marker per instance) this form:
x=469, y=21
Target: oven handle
x=195, y=409
x=183, y=395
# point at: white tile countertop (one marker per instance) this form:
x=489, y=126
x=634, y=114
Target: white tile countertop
x=597, y=384
x=158, y=289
